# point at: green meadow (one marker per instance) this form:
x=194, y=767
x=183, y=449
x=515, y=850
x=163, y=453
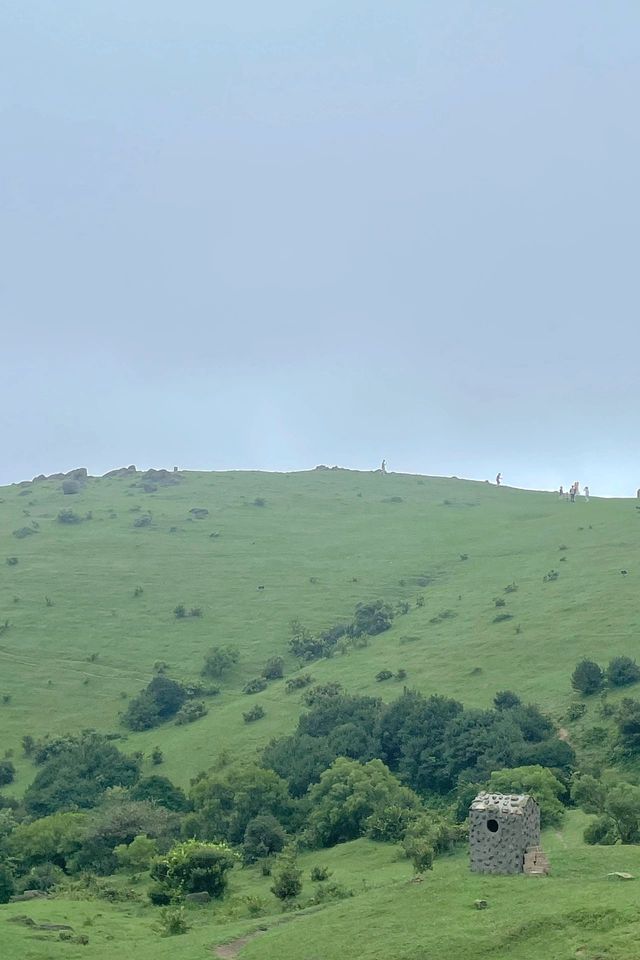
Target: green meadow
x=576, y=912
x=87, y=610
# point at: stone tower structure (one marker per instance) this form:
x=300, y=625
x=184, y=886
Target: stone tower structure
x=502, y=829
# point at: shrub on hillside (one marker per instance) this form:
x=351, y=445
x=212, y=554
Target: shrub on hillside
x=190, y=711
x=384, y=675
x=372, y=618
x=287, y=876
x=7, y=772
x=273, y=668
x=622, y=671
x=194, y=867
x=255, y=713
x=219, y=661
x=257, y=685
x=321, y=692
x=299, y=682
x=23, y=532
x=69, y=516
x=173, y=921
x=506, y=699
x=12, y=561
x=587, y=678
x=264, y=836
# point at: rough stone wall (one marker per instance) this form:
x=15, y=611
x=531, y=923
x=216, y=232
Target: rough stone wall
x=500, y=830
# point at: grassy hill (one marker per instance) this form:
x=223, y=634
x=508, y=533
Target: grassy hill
x=77, y=643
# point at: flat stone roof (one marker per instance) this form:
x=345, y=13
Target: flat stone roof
x=500, y=802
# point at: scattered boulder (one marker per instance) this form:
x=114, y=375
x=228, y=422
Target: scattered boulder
x=201, y=897
x=480, y=904
x=168, y=477
x=120, y=472
x=199, y=513
x=70, y=487
x=28, y=895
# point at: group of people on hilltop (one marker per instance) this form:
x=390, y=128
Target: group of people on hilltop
x=573, y=492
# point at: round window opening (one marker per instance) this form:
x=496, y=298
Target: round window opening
x=492, y=826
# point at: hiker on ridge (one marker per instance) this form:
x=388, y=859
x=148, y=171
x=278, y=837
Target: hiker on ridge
x=498, y=479
x=383, y=466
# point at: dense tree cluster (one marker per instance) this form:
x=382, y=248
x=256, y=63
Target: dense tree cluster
x=432, y=743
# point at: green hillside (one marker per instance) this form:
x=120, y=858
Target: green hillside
x=87, y=609
x=322, y=542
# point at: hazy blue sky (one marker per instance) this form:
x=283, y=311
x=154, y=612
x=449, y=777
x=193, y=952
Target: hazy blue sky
x=274, y=234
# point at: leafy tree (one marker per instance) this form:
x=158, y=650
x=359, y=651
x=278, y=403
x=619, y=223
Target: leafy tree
x=347, y=798
x=273, y=669
x=142, y=712
x=226, y=801
x=219, y=661
x=78, y=775
x=43, y=876
x=287, y=877
x=535, y=726
x=194, y=867
x=118, y=822
x=372, y=618
x=589, y=794
x=602, y=831
x=169, y=695
x=506, y=699
x=539, y=782
x=162, y=791
x=622, y=671
x=299, y=759
x=554, y=753
x=332, y=712
x=160, y=700
x=53, y=839
x=138, y=854
x=264, y=835
x=7, y=772
x=628, y=722
x=587, y=678
x=479, y=741
x=622, y=805
x=7, y=883
x=410, y=734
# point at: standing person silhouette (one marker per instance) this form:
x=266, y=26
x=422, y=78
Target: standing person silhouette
x=586, y=494
x=498, y=479
x=383, y=466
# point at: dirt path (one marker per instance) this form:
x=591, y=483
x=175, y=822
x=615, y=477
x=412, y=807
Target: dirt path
x=563, y=734
x=227, y=951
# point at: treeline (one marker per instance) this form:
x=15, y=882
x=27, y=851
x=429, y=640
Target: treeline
x=402, y=772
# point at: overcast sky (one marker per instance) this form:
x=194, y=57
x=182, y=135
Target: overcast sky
x=274, y=234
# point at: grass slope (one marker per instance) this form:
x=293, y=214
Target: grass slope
x=322, y=542
x=577, y=912
x=359, y=536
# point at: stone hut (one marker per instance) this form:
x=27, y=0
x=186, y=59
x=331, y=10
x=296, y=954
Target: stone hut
x=503, y=830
